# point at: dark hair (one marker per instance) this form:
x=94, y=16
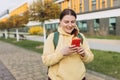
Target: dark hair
x=67, y=12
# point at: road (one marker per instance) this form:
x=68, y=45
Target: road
x=99, y=44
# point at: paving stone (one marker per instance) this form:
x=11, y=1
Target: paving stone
x=4, y=73
x=20, y=64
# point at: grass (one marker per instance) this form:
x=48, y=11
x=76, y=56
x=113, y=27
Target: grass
x=105, y=37
x=30, y=45
x=105, y=62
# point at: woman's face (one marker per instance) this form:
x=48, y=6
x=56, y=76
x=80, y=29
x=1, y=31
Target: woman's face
x=68, y=23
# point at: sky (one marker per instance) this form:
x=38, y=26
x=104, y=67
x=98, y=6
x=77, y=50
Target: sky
x=9, y=4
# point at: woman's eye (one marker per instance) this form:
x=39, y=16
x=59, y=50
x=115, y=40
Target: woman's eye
x=73, y=21
x=69, y=22
x=66, y=21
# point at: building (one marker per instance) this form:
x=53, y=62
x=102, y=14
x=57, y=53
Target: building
x=95, y=17
x=18, y=10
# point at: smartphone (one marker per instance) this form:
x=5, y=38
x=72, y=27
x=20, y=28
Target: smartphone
x=76, y=42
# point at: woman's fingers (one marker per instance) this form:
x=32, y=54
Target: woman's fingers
x=81, y=50
x=73, y=49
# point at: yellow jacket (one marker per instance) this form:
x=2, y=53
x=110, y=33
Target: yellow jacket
x=65, y=67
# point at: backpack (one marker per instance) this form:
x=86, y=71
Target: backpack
x=56, y=38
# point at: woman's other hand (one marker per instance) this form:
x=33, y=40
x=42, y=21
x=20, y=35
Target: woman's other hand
x=81, y=51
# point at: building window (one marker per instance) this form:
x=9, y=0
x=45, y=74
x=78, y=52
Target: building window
x=93, y=2
x=56, y=25
x=53, y=26
x=47, y=26
x=112, y=25
x=80, y=6
x=93, y=5
x=103, y=1
x=82, y=25
x=96, y=24
x=79, y=24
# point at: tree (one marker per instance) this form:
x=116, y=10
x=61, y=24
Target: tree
x=41, y=12
x=15, y=21
x=18, y=21
x=4, y=26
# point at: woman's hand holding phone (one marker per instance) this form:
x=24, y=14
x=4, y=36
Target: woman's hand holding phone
x=80, y=50
x=76, y=41
x=74, y=48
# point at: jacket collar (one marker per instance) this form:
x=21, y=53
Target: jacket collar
x=61, y=31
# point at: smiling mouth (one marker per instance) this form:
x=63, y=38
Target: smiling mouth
x=69, y=28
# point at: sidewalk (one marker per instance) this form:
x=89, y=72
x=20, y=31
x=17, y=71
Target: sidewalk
x=20, y=64
x=104, y=44
x=100, y=44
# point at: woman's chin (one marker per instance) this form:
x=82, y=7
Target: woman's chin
x=69, y=32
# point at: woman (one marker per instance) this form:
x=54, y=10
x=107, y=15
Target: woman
x=66, y=62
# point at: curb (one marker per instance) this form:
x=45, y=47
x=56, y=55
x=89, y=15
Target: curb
x=106, y=77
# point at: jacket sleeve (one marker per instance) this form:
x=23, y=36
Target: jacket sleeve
x=88, y=53
x=49, y=57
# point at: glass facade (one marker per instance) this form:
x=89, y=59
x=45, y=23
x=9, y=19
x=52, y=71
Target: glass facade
x=93, y=2
x=82, y=25
x=96, y=24
x=112, y=25
x=93, y=23
x=52, y=26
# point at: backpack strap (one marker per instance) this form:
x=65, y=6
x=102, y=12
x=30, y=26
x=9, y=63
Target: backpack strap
x=80, y=36
x=55, y=42
x=55, y=39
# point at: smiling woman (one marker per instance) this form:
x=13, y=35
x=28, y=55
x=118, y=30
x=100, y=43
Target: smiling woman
x=68, y=22
x=66, y=61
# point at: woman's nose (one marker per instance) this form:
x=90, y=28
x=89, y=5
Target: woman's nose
x=70, y=24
